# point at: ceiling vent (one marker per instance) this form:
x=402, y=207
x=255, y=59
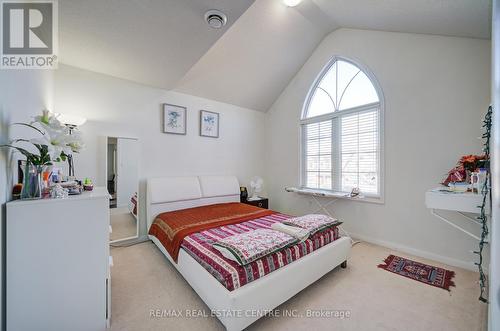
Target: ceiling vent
x=215, y=18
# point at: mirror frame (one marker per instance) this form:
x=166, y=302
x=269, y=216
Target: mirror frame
x=138, y=193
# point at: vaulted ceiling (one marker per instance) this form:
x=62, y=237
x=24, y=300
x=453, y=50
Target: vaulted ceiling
x=461, y=18
x=153, y=42
x=253, y=62
x=167, y=43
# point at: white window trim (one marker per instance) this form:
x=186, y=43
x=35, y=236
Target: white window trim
x=380, y=199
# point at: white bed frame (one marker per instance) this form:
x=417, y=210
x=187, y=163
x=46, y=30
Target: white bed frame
x=241, y=307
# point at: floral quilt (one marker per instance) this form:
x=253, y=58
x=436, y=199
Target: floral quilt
x=313, y=223
x=249, y=246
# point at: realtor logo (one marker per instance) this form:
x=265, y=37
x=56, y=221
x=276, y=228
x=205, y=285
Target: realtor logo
x=29, y=34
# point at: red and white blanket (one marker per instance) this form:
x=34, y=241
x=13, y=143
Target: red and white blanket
x=172, y=227
x=232, y=275
x=249, y=246
x=312, y=222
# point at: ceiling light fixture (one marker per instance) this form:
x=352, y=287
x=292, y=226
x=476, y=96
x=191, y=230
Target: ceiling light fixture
x=291, y=3
x=215, y=18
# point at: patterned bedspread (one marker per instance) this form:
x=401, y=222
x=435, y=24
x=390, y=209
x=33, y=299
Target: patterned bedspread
x=232, y=275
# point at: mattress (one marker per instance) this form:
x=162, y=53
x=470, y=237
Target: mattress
x=233, y=276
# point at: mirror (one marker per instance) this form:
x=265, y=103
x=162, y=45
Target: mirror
x=122, y=171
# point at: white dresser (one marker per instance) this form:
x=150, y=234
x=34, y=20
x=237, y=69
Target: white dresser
x=58, y=264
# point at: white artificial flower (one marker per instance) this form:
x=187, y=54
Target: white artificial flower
x=75, y=142
x=44, y=118
x=57, y=136
x=49, y=122
x=56, y=142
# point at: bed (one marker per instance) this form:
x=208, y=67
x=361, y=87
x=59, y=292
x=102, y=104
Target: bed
x=238, y=306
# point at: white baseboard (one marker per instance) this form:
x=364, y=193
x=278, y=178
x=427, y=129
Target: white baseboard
x=417, y=252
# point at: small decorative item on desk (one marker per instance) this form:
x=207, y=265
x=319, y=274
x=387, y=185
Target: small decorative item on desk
x=32, y=182
x=73, y=187
x=467, y=174
x=256, y=185
x=53, y=144
x=477, y=179
x=354, y=192
x=58, y=192
x=243, y=194
x=16, y=191
x=46, y=182
x=458, y=186
x=87, y=184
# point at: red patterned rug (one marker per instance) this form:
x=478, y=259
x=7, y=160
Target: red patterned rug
x=424, y=273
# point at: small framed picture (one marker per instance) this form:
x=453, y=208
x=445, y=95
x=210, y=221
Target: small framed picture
x=174, y=119
x=209, y=124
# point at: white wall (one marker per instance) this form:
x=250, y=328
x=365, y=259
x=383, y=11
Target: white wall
x=120, y=108
x=436, y=91
x=22, y=93
x=117, y=107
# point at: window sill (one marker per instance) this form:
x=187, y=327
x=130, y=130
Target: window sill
x=335, y=195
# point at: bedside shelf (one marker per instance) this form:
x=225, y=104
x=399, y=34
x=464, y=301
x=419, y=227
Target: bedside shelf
x=261, y=203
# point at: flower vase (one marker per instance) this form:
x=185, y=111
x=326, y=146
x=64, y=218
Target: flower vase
x=32, y=182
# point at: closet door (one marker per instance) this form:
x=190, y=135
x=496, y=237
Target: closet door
x=127, y=161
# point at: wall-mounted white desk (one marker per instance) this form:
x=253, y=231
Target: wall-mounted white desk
x=461, y=203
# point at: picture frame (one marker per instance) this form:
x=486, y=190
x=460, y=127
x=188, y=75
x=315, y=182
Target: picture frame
x=209, y=124
x=174, y=119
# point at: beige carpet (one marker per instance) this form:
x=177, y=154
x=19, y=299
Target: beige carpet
x=123, y=223
x=142, y=279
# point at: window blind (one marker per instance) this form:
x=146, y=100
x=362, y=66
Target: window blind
x=318, y=155
x=343, y=153
x=359, y=152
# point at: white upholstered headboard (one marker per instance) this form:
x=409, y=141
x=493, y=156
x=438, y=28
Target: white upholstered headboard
x=174, y=193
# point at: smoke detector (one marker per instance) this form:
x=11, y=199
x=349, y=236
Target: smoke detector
x=215, y=18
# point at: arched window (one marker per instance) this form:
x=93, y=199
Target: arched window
x=341, y=131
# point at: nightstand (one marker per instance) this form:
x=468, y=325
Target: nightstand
x=261, y=203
